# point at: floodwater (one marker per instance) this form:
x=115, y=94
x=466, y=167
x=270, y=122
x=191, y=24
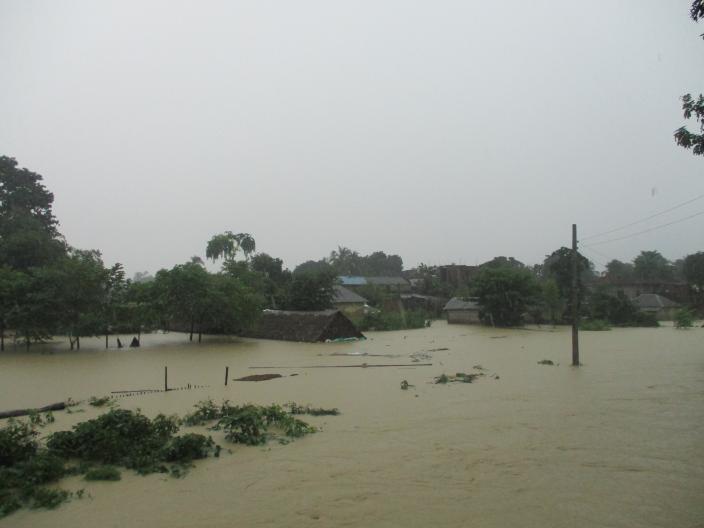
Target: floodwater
x=618, y=442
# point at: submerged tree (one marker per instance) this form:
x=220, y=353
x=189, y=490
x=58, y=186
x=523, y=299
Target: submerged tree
x=505, y=294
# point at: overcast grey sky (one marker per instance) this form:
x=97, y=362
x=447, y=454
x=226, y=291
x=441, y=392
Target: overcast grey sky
x=442, y=131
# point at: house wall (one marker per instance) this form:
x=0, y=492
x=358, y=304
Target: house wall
x=463, y=317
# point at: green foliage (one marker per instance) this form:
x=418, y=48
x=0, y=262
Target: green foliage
x=505, y=294
x=553, y=304
x=99, y=402
x=594, y=325
x=17, y=443
x=652, y=266
x=103, y=473
x=251, y=424
x=189, y=447
x=227, y=244
x=693, y=106
x=558, y=266
x=311, y=291
x=684, y=318
x=693, y=271
x=619, y=271
x=618, y=310
x=377, y=264
x=382, y=320
x=118, y=437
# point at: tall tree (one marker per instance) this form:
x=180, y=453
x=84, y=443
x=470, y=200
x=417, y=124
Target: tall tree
x=694, y=274
x=619, y=271
x=652, y=266
x=505, y=294
x=693, y=106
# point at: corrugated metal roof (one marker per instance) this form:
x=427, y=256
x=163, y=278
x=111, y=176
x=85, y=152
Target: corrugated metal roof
x=343, y=295
x=457, y=303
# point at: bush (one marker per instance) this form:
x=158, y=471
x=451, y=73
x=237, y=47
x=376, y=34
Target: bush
x=382, y=321
x=594, y=325
x=189, y=447
x=17, y=443
x=684, y=318
x=103, y=473
x=118, y=437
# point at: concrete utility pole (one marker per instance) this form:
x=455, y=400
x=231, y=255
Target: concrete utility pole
x=575, y=311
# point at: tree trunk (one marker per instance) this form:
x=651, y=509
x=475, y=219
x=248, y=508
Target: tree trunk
x=190, y=337
x=78, y=342
x=200, y=335
x=106, y=341
x=27, y=341
x=2, y=338
x=70, y=342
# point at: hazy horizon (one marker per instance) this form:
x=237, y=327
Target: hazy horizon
x=444, y=133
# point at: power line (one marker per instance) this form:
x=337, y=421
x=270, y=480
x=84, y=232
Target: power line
x=646, y=218
x=646, y=230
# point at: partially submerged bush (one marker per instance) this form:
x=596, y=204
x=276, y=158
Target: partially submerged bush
x=684, y=318
x=103, y=473
x=17, y=443
x=99, y=402
x=190, y=447
x=595, y=325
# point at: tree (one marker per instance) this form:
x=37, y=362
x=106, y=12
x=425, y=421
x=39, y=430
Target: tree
x=684, y=318
x=504, y=262
x=11, y=282
x=227, y=244
x=652, y=266
x=181, y=294
x=505, y=294
x=554, y=304
x=311, y=291
x=619, y=271
x=693, y=270
x=79, y=284
x=558, y=266
x=28, y=234
x=693, y=106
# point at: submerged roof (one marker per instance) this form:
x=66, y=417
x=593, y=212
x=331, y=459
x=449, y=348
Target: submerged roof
x=343, y=295
x=458, y=303
x=352, y=280
x=653, y=300
x=303, y=326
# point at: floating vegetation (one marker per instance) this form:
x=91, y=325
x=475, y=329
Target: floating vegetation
x=460, y=377
x=100, y=402
x=405, y=385
x=546, y=362
x=295, y=408
x=594, y=325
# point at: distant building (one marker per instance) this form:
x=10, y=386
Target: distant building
x=661, y=307
x=347, y=301
x=428, y=303
x=462, y=311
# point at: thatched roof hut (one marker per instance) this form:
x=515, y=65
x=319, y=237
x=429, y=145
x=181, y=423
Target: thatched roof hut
x=303, y=326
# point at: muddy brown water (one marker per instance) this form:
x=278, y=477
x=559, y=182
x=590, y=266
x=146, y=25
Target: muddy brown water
x=618, y=442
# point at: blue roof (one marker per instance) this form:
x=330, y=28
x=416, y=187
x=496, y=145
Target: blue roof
x=351, y=280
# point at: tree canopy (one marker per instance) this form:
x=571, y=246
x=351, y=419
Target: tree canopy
x=693, y=106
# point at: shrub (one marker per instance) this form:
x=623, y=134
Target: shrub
x=17, y=443
x=189, y=447
x=684, y=318
x=594, y=325
x=103, y=473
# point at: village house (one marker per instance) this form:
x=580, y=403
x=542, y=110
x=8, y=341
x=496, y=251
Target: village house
x=661, y=307
x=462, y=311
x=347, y=301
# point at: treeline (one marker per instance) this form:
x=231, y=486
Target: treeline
x=49, y=288
x=512, y=293
x=344, y=261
